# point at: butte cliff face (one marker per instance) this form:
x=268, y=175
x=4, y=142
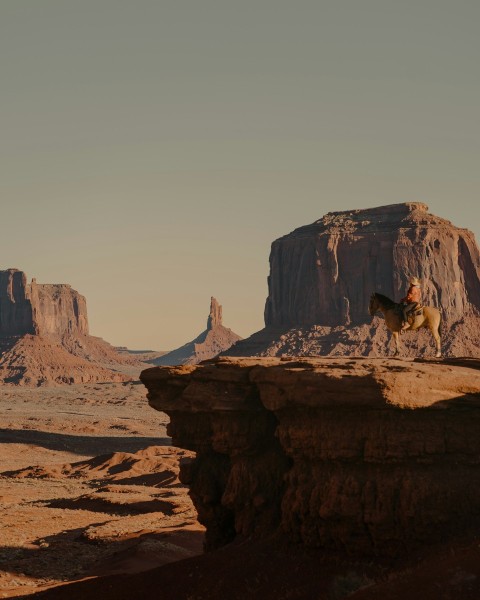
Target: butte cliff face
x=322, y=276
x=16, y=315
x=58, y=309
x=40, y=309
x=324, y=273
x=44, y=336
x=215, y=339
x=371, y=457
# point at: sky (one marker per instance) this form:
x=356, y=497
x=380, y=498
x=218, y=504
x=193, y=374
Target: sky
x=152, y=150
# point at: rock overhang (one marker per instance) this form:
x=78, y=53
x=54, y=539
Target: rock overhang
x=370, y=457
x=321, y=382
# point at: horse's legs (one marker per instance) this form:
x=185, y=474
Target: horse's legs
x=396, y=337
x=438, y=342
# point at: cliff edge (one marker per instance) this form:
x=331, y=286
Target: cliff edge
x=370, y=457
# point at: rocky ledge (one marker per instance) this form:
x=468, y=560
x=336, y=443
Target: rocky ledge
x=367, y=456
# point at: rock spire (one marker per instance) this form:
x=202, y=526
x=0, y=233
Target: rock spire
x=215, y=316
x=215, y=339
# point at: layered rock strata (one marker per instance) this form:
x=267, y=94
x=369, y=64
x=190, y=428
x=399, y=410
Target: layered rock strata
x=215, y=339
x=44, y=336
x=322, y=276
x=366, y=456
x=324, y=273
x=40, y=309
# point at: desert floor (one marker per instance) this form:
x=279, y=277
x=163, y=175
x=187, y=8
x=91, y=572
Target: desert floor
x=64, y=516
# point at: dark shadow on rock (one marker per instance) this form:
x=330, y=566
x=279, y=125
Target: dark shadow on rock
x=49, y=560
x=102, y=505
x=70, y=555
x=271, y=569
x=460, y=361
x=150, y=479
x=80, y=444
x=7, y=342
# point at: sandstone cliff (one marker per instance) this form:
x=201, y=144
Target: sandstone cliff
x=58, y=309
x=39, y=308
x=215, y=339
x=322, y=276
x=16, y=316
x=44, y=336
x=368, y=457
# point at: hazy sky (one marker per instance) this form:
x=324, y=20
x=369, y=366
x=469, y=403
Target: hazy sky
x=151, y=151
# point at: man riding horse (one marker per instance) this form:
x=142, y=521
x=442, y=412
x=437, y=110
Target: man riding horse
x=396, y=314
x=412, y=300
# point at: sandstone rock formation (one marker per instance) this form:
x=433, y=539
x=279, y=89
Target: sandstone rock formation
x=16, y=316
x=35, y=360
x=40, y=309
x=322, y=276
x=215, y=339
x=371, y=457
x=44, y=336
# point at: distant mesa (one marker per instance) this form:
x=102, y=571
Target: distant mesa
x=322, y=276
x=215, y=339
x=44, y=336
x=39, y=309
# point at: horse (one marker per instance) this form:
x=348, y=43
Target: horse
x=393, y=314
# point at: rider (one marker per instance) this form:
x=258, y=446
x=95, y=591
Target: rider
x=411, y=300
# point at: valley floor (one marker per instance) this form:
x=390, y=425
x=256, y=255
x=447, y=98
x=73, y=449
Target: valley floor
x=65, y=515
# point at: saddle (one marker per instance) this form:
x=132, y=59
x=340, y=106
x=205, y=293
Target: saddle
x=415, y=312
x=418, y=310
x=412, y=314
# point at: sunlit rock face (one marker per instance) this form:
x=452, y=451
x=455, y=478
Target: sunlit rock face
x=42, y=309
x=325, y=272
x=322, y=276
x=44, y=337
x=366, y=456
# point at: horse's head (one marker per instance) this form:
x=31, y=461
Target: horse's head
x=373, y=306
